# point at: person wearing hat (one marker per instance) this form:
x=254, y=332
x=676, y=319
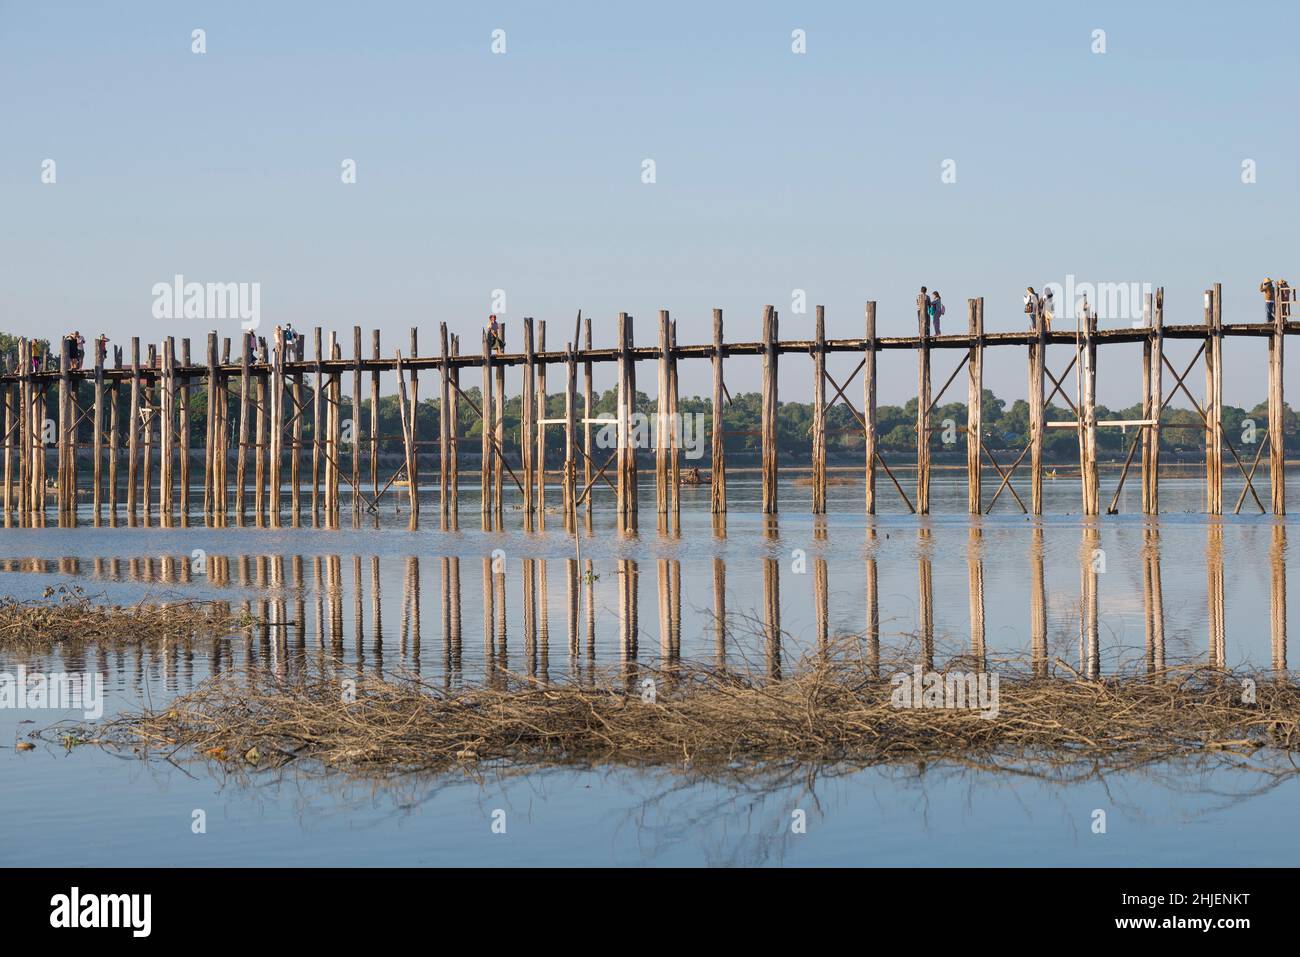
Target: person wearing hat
x=1266, y=287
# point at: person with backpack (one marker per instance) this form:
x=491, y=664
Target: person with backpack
x=1031, y=305
x=936, y=311
x=496, y=334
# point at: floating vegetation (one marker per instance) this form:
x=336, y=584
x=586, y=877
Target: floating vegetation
x=831, y=708
x=65, y=614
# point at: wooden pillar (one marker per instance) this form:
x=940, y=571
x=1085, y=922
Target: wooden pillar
x=65, y=426
x=210, y=471
x=675, y=425
x=769, y=407
x=165, y=397
x=627, y=466
x=356, y=425
x=317, y=429
x=869, y=406
x=444, y=422
x=539, y=415
x=571, y=452
x=133, y=434
x=1088, y=425
x=407, y=445
x=661, y=419
x=1157, y=397
x=183, y=434
x=1214, y=404
x=1148, y=314
x=923, y=392
x=277, y=426
x=485, y=437
x=499, y=441
x=259, y=447
x=527, y=406
x=819, y=415
x=245, y=406
x=24, y=413
x=453, y=436
x=113, y=445
x=414, y=475
x=1276, y=411
x=1037, y=410
x=295, y=460
x=148, y=409
x=10, y=421
x=97, y=438
x=587, y=406
x=374, y=416
x=975, y=407
x=718, y=453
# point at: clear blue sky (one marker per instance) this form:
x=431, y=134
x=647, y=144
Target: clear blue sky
x=522, y=171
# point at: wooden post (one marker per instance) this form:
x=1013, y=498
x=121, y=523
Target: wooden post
x=183, y=434
x=1088, y=427
x=869, y=406
x=499, y=440
x=317, y=428
x=133, y=433
x=166, y=440
x=485, y=438
x=923, y=392
x=570, y=454
x=1037, y=410
x=1148, y=314
x=1276, y=414
x=148, y=410
x=374, y=417
x=627, y=473
x=414, y=475
x=769, y=407
x=210, y=470
x=241, y=453
x=718, y=453
x=975, y=410
x=539, y=415
x=661, y=419
x=1214, y=404
x=10, y=420
x=356, y=425
x=407, y=444
x=259, y=447
x=675, y=424
x=453, y=436
x=527, y=401
x=277, y=425
x=444, y=423
x=819, y=415
x=97, y=437
x=24, y=413
x=65, y=426
x=1157, y=398
x=114, y=444
x=295, y=461
x=587, y=406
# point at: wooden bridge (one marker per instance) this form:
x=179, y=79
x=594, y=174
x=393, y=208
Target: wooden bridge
x=273, y=405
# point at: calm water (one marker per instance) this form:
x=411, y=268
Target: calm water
x=451, y=605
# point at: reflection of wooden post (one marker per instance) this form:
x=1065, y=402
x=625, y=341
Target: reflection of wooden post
x=1153, y=598
x=974, y=406
x=821, y=604
x=1037, y=604
x=720, y=612
x=769, y=411
x=1277, y=604
x=975, y=572
x=925, y=598
x=772, y=616
x=819, y=416
x=1276, y=411
x=1214, y=581
x=869, y=406
x=1090, y=662
x=718, y=454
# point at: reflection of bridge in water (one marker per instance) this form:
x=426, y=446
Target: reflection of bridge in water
x=304, y=604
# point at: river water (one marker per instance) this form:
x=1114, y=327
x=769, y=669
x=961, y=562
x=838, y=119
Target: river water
x=453, y=604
